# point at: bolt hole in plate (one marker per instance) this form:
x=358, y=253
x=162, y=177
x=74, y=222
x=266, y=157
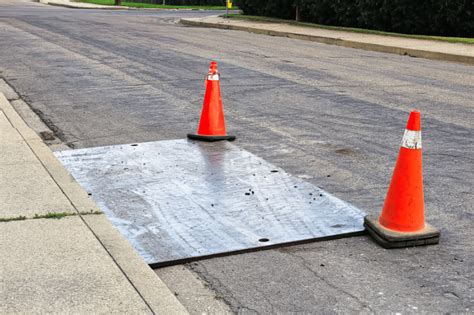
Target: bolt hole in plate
x=160, y=194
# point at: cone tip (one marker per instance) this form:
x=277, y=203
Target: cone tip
x=213, y=67
x=414, y=121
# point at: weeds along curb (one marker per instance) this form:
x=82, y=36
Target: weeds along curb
x=50, y=215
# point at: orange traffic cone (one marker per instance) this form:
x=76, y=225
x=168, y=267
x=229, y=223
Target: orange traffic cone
x=402, y=222
x=212, y=124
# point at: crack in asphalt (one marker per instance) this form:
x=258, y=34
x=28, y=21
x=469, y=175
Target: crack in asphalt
x=214, y=283
x=272, y=308
x=249, y=309
x=57, y=132
x=330, y=284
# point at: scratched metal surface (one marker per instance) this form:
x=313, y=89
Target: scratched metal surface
x=178, y=200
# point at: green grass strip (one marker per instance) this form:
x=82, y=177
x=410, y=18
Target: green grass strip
x=458, y=40
x=18, y=218
x=155, y=6
x=60, y=215
x=50, y=215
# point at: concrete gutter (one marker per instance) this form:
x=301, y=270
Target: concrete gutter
x=121, y=277
x=435, y=50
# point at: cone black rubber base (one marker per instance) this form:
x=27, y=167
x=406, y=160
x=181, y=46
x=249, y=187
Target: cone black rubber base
x=210, y=138
x=392, y=239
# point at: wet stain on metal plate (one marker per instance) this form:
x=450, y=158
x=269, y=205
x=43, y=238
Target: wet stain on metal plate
x=180, y=200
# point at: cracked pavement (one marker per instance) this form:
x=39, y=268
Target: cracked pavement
x=331, y=115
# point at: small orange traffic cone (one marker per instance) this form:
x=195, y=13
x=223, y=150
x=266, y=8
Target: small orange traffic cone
x=212, y=123
x=402, y=221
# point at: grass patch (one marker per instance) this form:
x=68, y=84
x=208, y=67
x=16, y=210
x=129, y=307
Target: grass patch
x=60, y=215
x=155, y=6
x=458, y=40
x=18, y=218
x=50, y=215
x=90, y=212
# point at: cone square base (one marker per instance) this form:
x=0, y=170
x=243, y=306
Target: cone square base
x=210, y=138
x=393, y=239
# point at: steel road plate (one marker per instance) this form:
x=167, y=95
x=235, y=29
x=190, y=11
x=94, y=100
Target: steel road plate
x=180, y=200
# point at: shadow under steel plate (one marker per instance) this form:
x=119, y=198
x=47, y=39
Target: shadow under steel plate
x=180, y=200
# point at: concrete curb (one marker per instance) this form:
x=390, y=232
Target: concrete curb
x=150, y=287
x=339, y=42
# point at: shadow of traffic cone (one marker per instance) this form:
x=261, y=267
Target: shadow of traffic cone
x=212, y=123
x=402, y=221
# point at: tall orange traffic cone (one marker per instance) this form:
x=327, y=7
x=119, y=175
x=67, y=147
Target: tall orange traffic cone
x=402, y=221
x=212, y=124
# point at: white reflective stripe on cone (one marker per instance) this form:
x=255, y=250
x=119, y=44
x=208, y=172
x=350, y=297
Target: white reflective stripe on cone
x=213, y=77
x=411, y=139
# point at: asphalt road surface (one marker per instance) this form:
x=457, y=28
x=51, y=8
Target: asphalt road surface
x=331, y=115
